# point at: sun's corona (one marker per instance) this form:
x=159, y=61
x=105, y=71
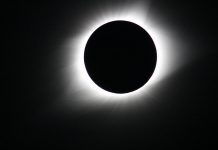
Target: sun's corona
x=80, y=81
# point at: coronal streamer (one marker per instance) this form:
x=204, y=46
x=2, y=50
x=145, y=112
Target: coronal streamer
x=79, y=83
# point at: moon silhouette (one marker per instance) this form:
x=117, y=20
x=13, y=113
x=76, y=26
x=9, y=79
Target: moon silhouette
x=120, y=57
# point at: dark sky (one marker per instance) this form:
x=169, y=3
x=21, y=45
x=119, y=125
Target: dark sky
x=183, y=117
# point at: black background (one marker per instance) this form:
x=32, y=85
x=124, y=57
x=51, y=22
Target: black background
x=183, y=118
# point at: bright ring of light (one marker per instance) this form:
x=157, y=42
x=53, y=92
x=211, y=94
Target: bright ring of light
x=78, y=76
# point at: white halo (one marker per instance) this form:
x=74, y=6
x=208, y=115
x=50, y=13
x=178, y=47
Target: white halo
x=78, y=77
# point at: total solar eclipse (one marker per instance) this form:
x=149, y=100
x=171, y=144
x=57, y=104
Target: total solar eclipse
x=120, y=57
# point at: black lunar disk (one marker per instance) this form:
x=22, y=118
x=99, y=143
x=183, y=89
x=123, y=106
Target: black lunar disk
x=120, y=56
